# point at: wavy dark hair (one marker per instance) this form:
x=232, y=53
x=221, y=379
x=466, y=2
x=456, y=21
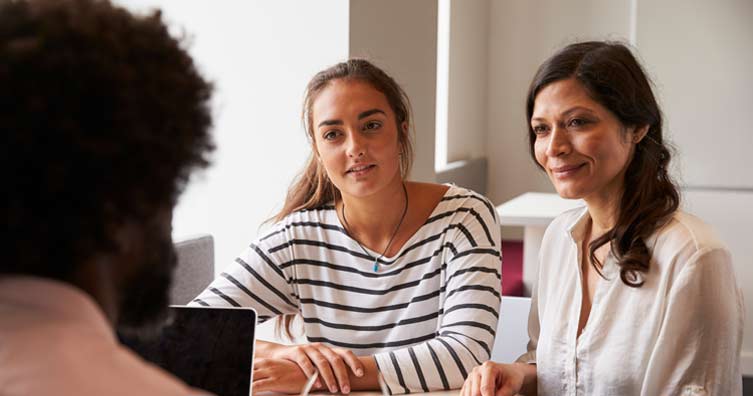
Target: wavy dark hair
x=613, y=77
x=105, y=117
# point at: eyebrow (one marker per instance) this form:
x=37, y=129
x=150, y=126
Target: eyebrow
x=567, y=112
x=360, y=116
x=330, y=122
x=370, y=112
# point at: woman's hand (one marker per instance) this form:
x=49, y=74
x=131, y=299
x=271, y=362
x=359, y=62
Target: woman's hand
x=331, y=363
x=494, y=379
x=278, y=375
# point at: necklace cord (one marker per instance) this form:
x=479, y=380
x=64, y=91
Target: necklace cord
x=392, y=238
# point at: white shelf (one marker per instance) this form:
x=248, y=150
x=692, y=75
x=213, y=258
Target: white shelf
x=534, y=209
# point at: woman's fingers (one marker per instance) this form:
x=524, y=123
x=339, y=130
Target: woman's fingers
x=510, y=384
x=260, y=369
x=331, y=365
x=298, y=354
x=487, y=380
x=492, y=379
x=506, y=390
x=263, y=385
x=339, y=368
x=352, y=361
x=278, y=375
x=469, y=386
x=461, y=392
x=322, y=365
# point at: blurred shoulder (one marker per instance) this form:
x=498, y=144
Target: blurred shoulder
x=305, y=224
x=684, y=239
x=455, y=197
x=686, y=229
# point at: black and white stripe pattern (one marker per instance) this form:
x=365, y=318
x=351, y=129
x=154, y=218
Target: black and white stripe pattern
x=428, y=315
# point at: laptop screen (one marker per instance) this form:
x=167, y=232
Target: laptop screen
x=208, y=348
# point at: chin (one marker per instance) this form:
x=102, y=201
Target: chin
x=568, y=192
x=361, y=191
x=361, y=188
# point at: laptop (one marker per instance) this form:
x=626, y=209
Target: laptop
x=208, y=348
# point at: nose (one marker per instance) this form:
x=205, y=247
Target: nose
x=559, y=142
x=356, y=145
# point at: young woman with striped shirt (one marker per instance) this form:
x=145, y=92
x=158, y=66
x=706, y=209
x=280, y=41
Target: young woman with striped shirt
x=389, y=276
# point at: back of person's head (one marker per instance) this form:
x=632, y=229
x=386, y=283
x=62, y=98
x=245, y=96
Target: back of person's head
x=105, y=117
x=612, y=76
x=313, y=189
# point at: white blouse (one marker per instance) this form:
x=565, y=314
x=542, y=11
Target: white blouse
x=678, y=334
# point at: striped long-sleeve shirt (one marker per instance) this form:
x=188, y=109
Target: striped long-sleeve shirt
x=428, y=315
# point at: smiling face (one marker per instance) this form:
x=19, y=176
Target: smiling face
x=356, y=137
x=580, y=144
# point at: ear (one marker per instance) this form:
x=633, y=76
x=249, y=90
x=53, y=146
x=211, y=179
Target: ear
x=404, y=126
x=639, y=133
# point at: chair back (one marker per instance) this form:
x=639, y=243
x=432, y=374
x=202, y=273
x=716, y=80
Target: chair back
x=195, y=268
x=512, y=329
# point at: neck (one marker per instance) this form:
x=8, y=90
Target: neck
x=373, y=219
x=603, y=209
x=95, y=278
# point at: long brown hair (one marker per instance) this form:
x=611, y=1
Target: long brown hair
x=614, y=78
x=312, y=188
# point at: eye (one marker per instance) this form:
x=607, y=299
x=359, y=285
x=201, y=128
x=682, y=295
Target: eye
x=372, y=125
x=577, y=122
x=331, y=135
x=540, y=129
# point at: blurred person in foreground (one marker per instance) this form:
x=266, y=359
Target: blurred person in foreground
x=105, y=118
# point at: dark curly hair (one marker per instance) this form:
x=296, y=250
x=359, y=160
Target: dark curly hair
x=613, y=77
x=105, y=117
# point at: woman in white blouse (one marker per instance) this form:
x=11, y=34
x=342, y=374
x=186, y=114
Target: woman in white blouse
x=633, y=296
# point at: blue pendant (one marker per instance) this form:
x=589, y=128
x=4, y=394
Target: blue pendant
x=376, y=266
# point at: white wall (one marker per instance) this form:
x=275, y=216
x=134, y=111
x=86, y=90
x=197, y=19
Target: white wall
x=467, y=83
x=401, y=37
x=702, y=64
x=260, y=55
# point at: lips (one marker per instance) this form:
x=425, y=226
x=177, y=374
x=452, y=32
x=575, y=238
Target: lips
x=566, y=170
x=359, y=169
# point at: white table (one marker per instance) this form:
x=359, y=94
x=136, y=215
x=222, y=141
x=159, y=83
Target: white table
x=534, y=211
